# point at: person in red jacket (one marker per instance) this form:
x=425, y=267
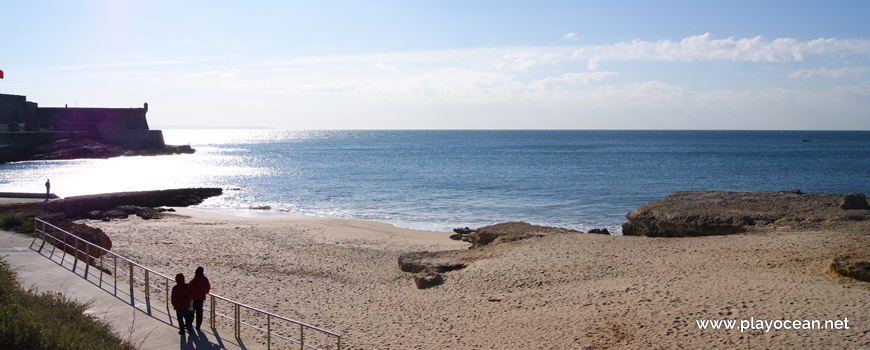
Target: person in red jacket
x=181, y=304
x=199, y=288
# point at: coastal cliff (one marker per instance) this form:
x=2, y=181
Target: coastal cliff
x=700, y=213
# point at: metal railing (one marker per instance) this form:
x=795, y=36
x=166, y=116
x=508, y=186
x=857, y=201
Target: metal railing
x=58, y=237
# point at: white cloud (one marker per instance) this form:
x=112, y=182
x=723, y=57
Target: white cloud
x=220, y=74
x=829, y=73
x=492, y=74
x=570, y=36
x=130, y=64
x=699, y=48
x=593, y=63
x=704, y=48
x=569, y=79
x=383, y=67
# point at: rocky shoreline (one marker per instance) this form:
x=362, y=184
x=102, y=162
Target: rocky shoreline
x=63, y=212
x=682, y=214
x=84, y=148
x=701, y=213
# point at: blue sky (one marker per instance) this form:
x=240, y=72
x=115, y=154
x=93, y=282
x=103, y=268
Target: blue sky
x=449, y=64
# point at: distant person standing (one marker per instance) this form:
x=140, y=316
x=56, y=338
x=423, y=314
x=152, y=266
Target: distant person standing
x=199, y=288
x=47, y=189
x=181, y=304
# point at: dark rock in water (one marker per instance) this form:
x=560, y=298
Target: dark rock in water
x=698, y=213
x=428, y=280
x=428, y=261
x=77, y=148
x=854, y=201
x=856, y=266
x=796, y=191
x=602, y=231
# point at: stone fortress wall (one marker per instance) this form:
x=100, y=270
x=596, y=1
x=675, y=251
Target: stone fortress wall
x=24, y=123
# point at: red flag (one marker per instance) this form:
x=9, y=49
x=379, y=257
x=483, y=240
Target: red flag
x=1, y=74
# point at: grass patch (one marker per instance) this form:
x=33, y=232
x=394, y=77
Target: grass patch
x=12, y=222
x=32, y=320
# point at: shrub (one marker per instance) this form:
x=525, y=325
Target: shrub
x=8, y=222
x=11, y=222
x=32, y=320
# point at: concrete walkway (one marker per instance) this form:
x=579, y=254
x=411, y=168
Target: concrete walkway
x=151, y=325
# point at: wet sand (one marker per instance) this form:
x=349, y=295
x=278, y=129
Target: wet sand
x=563, y=291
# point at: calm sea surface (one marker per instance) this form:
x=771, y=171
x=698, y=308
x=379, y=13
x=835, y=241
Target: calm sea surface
x=438, y=180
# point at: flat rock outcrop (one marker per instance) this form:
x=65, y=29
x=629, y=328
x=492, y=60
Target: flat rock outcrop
x=700, y=213
x=431, y=261
x=505, y=232
x=81, y=206
x=430, y=265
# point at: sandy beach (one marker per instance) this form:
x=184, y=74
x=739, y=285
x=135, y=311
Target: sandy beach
x=561, y=291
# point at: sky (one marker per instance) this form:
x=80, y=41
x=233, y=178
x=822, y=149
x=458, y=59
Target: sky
x=780, y=65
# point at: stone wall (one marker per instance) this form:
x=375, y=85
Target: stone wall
x=12, y=109
x=25, y=124
x=16, y=114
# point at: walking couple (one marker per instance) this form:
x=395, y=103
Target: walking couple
x=182, y=295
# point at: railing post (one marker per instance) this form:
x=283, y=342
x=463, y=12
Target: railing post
x=147, y=287
x=102, y=266
x=54, y=244
x=75, y=255
x=301, y=337
x=339, y=342
x=64, y=249
x=131, y=282
x=212, y=312
x=268, y=332
x=115, y=273
x=87, y=259
x=166, y=288
x=237, y=324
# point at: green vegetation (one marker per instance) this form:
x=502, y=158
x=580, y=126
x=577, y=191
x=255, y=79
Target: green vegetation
x=32, y=320
x=12, y=222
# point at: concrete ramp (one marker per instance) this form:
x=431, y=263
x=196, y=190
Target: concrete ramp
x=150, y=324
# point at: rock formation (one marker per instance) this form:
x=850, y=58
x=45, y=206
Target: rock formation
x=696, y=213
x=854, y=201
x=504, y=232
x=61, y=212
x=80, y=206
x=430, y=265
x=427, y=280
x=431, y=261
x=854, y=265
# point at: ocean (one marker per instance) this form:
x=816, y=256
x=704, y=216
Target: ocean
x=440, y=180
